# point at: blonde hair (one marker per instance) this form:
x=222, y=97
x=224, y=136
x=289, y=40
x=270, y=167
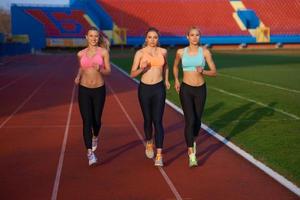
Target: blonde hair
x=103, y=41
x=193, y=28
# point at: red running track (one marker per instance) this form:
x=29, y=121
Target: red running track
x=43, y=156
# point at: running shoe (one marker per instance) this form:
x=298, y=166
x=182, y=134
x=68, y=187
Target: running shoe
x=159, y=161
x=194, y=148
x=92, y=158
x=193, y=160
x=94, y=143
x=149, y=150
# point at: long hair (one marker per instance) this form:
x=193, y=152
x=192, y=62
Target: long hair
x=103, y=40
x=151, y=29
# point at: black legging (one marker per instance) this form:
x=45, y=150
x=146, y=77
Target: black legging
x=192, y=101
x=91, y=102
x=152, y=102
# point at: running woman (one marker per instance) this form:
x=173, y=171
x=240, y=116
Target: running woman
x=192, y=90
x=94, y=63
x=151, y=63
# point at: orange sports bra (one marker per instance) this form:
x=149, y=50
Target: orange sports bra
x=155, y=61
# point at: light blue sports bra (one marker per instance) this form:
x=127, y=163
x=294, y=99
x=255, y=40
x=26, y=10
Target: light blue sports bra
x=189, y=63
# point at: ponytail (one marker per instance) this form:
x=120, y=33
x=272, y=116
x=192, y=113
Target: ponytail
x=104, y=42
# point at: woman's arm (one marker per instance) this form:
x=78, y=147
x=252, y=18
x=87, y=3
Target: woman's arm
x=78, y=76
x=137, y=67
x=106, y=70
x=176, y=69
x=212, y=67
x=166, y=69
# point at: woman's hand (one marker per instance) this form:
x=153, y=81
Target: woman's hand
x=167, y=84
x=177, y=86
x=199, y=69
x=77, y=80
x=144, y=64
x=96, y=66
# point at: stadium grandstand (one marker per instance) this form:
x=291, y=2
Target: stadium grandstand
x=221, y=22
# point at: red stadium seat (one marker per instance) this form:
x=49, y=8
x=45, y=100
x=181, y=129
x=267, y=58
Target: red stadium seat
x=213, y=17
x=283, y=17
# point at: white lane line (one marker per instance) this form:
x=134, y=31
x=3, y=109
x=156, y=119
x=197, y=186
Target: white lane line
x=12, y=82
x=59, y=126
x=279, y=178
x=259, y=83
x=260, y=120
x=24, y=102
x=163, y=173
x=256, y=102
x=63, y=149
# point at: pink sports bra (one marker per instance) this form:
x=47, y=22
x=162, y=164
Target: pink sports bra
x=87, y=62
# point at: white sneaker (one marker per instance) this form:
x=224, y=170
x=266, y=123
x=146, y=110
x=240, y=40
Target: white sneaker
x=159, y=161
x=92, y=158
x=94, y=143
x=193, y=160
x=149, y=150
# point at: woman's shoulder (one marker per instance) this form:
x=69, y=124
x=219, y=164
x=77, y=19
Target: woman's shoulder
x=102, y=50
x=205, y=50
x=81, y=52
x=203, y=47
x=162, y=50
x=180, y=51
x=140, y=52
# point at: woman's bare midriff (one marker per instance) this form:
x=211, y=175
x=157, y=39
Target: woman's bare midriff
x=91, y=78
x=193, y=78
x=152, y=76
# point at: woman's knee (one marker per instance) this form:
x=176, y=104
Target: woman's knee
x=97, y=123
x=157, y=123
x=190, y=121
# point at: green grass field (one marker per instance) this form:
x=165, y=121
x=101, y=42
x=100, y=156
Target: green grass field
x=254, y=102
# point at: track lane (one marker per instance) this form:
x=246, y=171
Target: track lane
x=29, y=155
x=29, y=163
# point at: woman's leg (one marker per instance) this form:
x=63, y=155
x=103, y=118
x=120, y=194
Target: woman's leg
x=199, y=102
x=144, y=94
x=145, y=104
x=188, y=107
x=85, y=106
x=158, y=106
x=187, y=103
x=99, y=96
